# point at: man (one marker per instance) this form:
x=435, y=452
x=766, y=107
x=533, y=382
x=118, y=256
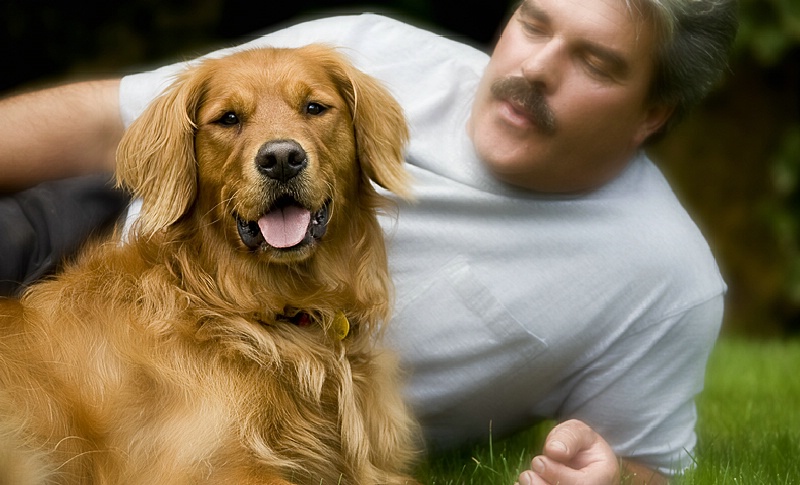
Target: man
x=545, y=269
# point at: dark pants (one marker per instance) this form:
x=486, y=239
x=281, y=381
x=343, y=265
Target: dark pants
x=42, y=226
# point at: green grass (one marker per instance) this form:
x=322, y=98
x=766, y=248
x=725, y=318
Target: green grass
x=495, y=463
x=749, y=429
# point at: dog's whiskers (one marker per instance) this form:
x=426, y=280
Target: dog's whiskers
x=225, y=204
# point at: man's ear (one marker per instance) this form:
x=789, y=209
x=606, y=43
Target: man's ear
x=156, y=159
x=655, y=119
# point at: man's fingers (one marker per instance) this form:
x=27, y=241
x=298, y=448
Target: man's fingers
x=529, y=477
x=546, y=471
x=567, y=439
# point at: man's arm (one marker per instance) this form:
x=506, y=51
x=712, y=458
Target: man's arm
x=58, y=132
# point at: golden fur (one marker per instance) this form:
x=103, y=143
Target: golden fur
x=174, y=359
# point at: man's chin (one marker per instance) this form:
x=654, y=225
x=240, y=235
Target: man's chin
x=511, y=172
x=524, y=173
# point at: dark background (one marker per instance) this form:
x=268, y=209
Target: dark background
x=52, y=38
x=735, y=162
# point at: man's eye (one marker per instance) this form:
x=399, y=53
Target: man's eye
x=532, y=29
x=315, y=109
x=596, y=70
x=228, y=119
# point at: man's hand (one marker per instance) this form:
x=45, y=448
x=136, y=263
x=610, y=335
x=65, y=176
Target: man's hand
x=575, y=454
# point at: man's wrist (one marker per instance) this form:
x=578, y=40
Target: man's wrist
x=633, y=473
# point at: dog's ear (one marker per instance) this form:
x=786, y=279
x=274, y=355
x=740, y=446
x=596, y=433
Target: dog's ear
x=380, y=128
x=156, y=158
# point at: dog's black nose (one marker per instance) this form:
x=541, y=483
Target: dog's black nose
x=281, y=159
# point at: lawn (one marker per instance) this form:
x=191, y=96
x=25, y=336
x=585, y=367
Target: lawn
x=749, y=430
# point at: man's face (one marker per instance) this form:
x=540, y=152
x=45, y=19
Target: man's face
x=562, y=105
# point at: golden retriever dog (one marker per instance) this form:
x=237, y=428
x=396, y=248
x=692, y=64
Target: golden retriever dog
x=232, y=338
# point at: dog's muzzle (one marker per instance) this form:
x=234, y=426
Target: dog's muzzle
x=287, y=225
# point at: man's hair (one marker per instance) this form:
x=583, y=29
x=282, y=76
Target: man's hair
x=693, y=42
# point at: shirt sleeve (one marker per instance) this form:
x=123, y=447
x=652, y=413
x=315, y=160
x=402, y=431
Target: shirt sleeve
x=45, y=224
x=640, y=394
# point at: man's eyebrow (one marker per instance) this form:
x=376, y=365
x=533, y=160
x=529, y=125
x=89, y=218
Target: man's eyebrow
x=529, y=8
x=616, y=63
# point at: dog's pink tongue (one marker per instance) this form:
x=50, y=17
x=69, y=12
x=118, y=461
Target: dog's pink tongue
x=285, y=227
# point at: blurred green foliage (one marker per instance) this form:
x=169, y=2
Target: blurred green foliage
x=769, y=33
x=784, y=211
x=769, y=29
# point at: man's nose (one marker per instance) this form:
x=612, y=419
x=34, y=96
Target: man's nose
x=545, y=64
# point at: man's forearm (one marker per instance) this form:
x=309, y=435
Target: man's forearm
x=58, y=132
x=635, y=474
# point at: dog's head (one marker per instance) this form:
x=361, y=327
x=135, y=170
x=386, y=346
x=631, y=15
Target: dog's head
x=276, y=140
x=269, y=154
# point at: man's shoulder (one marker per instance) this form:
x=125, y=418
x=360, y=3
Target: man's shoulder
x=659, y=239
x=413, y=61
x=370, y=33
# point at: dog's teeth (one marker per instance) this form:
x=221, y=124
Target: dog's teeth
x=320, y=223
x=250, y=233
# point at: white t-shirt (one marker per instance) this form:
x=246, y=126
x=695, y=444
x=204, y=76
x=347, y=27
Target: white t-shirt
x=513, y=306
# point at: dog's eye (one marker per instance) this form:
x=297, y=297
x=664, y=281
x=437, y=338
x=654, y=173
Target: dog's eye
x=315, y=108
x=228, y=119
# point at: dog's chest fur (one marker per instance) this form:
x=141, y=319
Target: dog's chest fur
x=193, y=392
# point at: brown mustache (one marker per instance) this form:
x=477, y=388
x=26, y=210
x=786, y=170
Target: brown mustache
x=530, y=98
